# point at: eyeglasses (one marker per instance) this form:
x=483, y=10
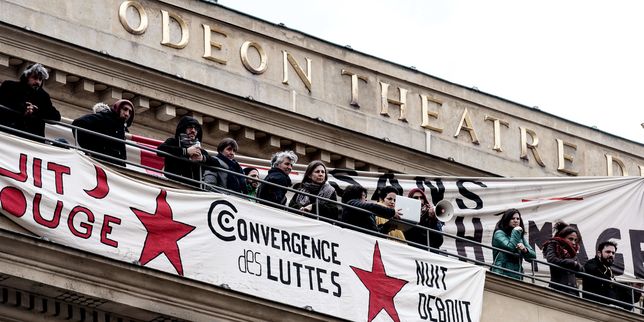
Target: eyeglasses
x=416, y=197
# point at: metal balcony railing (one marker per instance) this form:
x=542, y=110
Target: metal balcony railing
x=634, y=305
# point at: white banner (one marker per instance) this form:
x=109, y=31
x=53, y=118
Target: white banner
x=222, y=240
x=602, y=208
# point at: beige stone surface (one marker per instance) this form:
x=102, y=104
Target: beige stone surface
x=94, y=25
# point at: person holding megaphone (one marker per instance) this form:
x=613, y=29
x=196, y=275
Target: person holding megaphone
x=427, y=219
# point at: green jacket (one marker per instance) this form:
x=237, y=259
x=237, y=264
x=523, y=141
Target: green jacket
x=503, y=241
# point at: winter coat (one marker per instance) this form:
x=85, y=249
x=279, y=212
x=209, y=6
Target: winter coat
x=367, y=219
x=224, y=179
x=182, y=167
x=15, y=95
x=419, y=234
x=327, y=209
x=599, y=285
x=559, y=252
x=107, y=123
x=513, y=262
x=272, y=193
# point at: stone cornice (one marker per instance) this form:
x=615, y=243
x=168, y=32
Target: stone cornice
x=182, y=93
x=400, y=73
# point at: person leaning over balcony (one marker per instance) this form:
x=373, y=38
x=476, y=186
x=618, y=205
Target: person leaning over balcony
x=387, y=198
x=281, y=165
x=225, y=159
x=251, y=185
x=26, y=104
x=562, y=250
x=600, y=266
x=111, y=122
x=427, y=219
x=186, y=147
x=509, y=234
x=356, y=195
x=315, y=183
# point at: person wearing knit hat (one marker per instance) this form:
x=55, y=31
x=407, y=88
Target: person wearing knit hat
x=113, y=122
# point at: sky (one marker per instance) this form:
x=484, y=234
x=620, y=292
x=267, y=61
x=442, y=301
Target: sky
x=580, y=60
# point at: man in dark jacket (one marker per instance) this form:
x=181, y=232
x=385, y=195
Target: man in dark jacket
x=355, y=195
x=186, y=147
x=112, y=122
x=281, y=165
x=600, y=267
x=26, y=104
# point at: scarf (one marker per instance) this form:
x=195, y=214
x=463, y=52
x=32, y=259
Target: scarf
x=563, y=248
x=321, y=190
x=233, y=182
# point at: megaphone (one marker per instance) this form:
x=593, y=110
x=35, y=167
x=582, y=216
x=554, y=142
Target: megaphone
x=444, y=210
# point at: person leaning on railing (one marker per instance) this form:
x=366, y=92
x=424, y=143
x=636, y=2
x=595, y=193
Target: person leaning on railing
x=315, y=183
x=602, y=282
x=387, y=197
x=509, y=234
x=356, y=195
x=562, y=250
x=111, y=122
x=225, y=159
x=281, y=165
x=26, y=103
x=186, y=146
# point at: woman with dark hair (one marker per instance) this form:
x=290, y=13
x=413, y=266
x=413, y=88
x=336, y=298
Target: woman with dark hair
x=315, y=183
x=225, y=159
x=387, y=197
x=562, y=250
x=509, y=234
x=356, y=195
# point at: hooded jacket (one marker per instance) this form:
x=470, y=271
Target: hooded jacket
x=105, y=122
x=182, y=167
x=15, y=95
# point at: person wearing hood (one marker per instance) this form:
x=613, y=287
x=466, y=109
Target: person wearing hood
x=111, y=122
x=281, y=165
x=427, y=219
x=26, y=104
x=225, y=159
x=186, y=147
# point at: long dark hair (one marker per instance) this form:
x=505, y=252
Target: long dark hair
x=310, y=168
x=504, y=223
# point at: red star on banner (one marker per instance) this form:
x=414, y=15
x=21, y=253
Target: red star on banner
x=163, y=233
x=382, y=288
